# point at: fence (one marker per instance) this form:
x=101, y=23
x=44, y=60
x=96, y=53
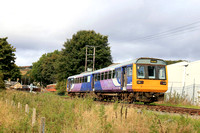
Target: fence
x=19, y=106
x=190, y=92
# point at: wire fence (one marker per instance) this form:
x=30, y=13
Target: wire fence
x=190, y=92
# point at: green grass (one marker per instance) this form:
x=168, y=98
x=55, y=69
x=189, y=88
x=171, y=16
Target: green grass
x=84, y=115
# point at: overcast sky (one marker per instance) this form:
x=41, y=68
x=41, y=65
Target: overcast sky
x=167, y=29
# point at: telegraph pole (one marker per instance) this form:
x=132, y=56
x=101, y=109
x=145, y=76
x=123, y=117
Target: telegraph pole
x=86, y=59
x=86, y=54
x=93, y=58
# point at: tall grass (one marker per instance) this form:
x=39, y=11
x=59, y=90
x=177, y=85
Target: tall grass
x=84, y=115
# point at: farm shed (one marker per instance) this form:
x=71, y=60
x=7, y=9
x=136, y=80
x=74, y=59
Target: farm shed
x=184, y=79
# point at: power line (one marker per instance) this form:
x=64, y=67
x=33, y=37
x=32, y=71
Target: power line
x=179, y=30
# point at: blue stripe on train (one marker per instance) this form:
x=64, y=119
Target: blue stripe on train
x=97, y=85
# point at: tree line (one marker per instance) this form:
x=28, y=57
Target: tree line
x=56, y=66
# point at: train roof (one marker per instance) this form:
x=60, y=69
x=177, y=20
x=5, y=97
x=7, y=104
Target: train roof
x=143, y=60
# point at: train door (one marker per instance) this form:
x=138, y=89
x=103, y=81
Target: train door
x=92, y=82
x=69, y=84
x=124, y=79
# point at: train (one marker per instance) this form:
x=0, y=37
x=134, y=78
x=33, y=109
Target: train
x=139, y=80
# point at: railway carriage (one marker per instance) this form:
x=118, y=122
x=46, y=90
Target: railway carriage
x=142, y=79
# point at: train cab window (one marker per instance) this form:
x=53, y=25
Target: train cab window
x=113, y=74
x=140, y=72
x=98, y=76
x=106, y=75
x=109, y=74
x=102, y=76
x=161, y=73
x=129, y=71
x=151, y=72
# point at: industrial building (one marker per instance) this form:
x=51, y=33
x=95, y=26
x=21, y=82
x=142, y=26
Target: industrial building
x=184, y=79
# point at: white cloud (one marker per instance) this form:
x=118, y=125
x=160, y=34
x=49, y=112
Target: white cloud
x=35, y=27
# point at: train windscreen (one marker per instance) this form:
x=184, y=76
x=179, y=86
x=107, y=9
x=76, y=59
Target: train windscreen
x=151, y=72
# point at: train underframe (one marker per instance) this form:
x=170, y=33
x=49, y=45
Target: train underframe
x=146, y=97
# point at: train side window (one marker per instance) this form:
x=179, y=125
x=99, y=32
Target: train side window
x=72, y=81
x=129, y=71
x=88, y=79
x=106, y=75
x=140, y=72
x=102, y=76
x=113, y=74
x=85, y=79
x=118, y=73
x=109, y=74
x=95, y=77
x=98, y=76
x=151, y=72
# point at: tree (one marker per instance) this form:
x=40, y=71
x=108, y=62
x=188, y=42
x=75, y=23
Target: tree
x=72, y=59
x=2, y=85
x=7, y=60
x=44, y=69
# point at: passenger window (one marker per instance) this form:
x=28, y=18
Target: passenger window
x=151, y=72
x=161, y=73
x=88, y=79
x=113, y=74
x=102, y=76
x=118, y=73
x=95, y=77
x=98, y=76
x=109, y=74
x=140, y=72
x=72, y=81
x=129, y=71
x=106, y=75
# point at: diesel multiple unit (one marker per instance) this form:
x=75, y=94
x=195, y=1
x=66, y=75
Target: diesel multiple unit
x=143, y=79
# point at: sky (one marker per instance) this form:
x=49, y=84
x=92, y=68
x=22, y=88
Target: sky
x=166, y=29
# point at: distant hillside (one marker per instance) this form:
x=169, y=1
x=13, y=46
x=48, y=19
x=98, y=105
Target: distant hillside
x=173, y=61
x=24, y=69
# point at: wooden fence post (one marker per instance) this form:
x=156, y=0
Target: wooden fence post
x=26, y=109
x=18, y=105
x=42, y=125
x=34, y=117
x=12, y=103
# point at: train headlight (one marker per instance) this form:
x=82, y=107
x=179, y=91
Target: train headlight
x=140, y=82
x=163, y=83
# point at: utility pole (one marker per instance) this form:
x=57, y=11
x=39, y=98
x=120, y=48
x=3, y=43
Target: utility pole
x=86, y=59
x=93, y=58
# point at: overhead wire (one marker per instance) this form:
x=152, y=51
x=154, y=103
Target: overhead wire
x=176, y=31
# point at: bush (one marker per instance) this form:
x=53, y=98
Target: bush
x=2, y=84
x=61, y=87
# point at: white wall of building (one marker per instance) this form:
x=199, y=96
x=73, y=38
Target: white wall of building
x=184, y=78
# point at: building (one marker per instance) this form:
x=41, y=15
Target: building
x=184, y=79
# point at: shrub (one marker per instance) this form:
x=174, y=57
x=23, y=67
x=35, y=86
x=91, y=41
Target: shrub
x=2, y=84
x=61, y=87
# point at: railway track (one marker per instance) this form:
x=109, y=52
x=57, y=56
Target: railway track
x=160, y=108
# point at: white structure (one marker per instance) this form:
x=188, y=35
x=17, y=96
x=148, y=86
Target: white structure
x=184, y=78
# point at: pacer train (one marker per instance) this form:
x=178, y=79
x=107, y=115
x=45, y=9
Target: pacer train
x=142, y=79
